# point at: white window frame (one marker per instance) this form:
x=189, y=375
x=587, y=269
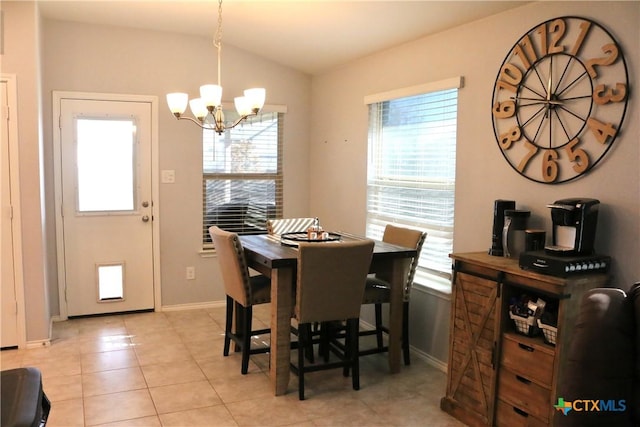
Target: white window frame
x=428, y=278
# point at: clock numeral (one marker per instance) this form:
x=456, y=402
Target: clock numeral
x=542, y=32
x=510, y=77
x=603, y=95
x=532, y=150
x=508, y=138
x=578, y=156
x=550, y=166
x=602, y=131
x=557, y=30
x=524, y=51
x=584, y=29
x=504, y=110
x=611, y=52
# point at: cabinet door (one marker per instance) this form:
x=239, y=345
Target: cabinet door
x=474, y=334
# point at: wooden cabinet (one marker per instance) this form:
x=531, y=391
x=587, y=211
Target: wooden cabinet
x=497, y=376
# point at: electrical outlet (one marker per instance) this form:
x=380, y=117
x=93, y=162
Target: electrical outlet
x=168, y=176
x=191, y=273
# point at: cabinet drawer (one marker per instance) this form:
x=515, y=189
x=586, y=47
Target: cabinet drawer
x=533, y=361
x=527, y=395
x=508, y=415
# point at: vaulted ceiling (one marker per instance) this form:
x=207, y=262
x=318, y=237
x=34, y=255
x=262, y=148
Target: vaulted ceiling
x=309, y=35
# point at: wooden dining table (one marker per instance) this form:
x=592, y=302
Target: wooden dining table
x=267, y=255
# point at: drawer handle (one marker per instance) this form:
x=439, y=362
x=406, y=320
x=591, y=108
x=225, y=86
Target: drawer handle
x=520, y=412
x=523, y=379
x=526, y=347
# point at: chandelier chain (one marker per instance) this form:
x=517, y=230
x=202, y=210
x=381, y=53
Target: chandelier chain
x=217, y=41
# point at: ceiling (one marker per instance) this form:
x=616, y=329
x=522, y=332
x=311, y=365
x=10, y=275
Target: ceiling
x=309, y=35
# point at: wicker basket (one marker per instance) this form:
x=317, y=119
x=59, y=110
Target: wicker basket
x=525, y=325
x=549, y=332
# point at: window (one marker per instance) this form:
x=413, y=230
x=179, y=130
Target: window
x=242, y=176
x=104, y=146
x=411, y=170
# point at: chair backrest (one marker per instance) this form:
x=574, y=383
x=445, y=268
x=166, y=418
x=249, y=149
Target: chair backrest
x=331, y=280
x=288, y=225
x=409, y=238
x=233, y=265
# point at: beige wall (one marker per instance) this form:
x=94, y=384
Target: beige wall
x=22, y=58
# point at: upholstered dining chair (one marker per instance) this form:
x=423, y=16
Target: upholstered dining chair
x=330, y=285
x=378, y=289
x=288, y=225
x=243, y=292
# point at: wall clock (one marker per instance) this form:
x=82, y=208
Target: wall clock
x=559, y=99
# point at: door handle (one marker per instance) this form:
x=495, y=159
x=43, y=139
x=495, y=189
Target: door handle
x=145, y=204
x=145, y=218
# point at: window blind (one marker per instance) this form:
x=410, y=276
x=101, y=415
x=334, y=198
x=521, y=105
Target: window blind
x=242, y=176
x=411, y=171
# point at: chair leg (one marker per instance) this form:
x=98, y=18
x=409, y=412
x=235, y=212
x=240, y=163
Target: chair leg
x=405, y=333
x=378, y=309
x=228, y=325
x=247, y=313
x=354, y=358
x=348, y=348
x=302, y=344
x=328, y=331
x=240, y=323
x=308, y=348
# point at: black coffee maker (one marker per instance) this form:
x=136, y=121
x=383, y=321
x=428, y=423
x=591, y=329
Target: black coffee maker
x=574, y=226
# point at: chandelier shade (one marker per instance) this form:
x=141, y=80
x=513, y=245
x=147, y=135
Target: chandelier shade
x=207, y=109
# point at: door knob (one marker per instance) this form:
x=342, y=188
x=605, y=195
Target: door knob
x=145, y=218
x=145, y=204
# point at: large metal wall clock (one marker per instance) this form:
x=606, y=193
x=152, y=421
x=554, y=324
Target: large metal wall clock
x=559, y=99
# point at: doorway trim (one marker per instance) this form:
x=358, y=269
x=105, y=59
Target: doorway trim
x=58, y=96
x=16, y=213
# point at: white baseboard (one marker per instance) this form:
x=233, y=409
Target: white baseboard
x=436, y=363
x=38, y=344
x=194, y=306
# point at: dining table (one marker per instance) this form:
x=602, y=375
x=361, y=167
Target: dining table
x=269, y=256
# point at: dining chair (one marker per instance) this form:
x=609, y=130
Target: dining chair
x=280, y=226
x=288, y=225
x=243, y=292
x=378, y=289
x=330, y=286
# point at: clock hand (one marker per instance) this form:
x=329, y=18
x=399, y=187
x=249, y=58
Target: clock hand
x=550, y=84
x=538, y=100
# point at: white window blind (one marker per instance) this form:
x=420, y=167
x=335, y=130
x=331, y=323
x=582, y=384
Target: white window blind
x=411, y=172
x=242, y=176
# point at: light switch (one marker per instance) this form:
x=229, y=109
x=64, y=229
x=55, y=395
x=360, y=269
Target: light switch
x=168, y=176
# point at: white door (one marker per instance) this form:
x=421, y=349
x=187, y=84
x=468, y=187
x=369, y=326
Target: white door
x=9, y=307
x=107, y=211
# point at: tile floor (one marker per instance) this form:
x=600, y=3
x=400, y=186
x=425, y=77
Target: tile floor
x=167, y=369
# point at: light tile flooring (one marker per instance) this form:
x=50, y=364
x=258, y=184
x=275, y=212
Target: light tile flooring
x=167, y=369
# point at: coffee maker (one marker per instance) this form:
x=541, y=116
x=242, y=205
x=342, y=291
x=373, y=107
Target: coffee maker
x=574, y=226
x=499, y=208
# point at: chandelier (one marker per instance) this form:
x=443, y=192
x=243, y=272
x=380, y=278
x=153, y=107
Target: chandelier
x=208, y=108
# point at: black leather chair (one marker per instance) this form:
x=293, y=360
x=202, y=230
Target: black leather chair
x=603, y=362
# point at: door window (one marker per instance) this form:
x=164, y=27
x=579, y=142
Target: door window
x=105, y=164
